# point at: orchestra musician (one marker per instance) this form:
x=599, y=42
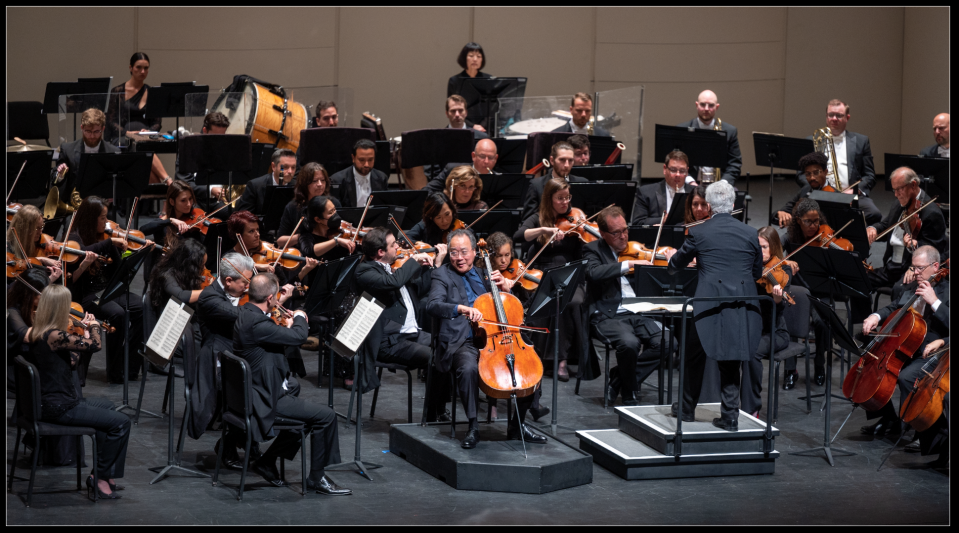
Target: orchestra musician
x=358, y=181
x=92, y=122
x=179, y=275
x=561, y=158
x=312, y=181
x=636, y=338
x=321, y=229
x=456, y=115
x=905, y=185
x=940, y=129
x=454, y=288
x=696, y=206
x=27, y=227
x=22, y=299
x=580, y=144
x=815, y=167
x=657, y=198
x=56, y=353
x=465, y=187
x=472, y=59
x=261, y=342
x=853, y=154
x=729, y=261
x=484, y=159
x=537, y=230
x=169, y=226
x=707, y=103
x=581, y=111
x=439, y=212
x=245, y=224
x=326, y=115
x=282, y=170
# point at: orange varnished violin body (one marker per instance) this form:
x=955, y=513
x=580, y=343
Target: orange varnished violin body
x=923, y=406
x=404, y=254
x=16, y=266
x=347, y=231
x=575, y=222
x=455, y=225
x=826, y=239
x=135, y=238
x=775, y=276
x=268, y=253
x=530, y=279
x=635, y=251
x=77, y=313
x=200, y=222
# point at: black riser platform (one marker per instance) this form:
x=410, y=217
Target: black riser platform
x=655, y=426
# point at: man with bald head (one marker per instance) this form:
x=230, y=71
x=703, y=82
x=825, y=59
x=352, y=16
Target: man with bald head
x=484, y=159
x=940, y=128
x=707, y=103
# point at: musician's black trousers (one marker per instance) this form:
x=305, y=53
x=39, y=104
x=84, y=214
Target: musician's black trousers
x=410, y=349
x=116, y=314
x=113, y=434
x=324, y=441
x=627, y=333
x=465, y=365
x=752, y=384
x=695, y=365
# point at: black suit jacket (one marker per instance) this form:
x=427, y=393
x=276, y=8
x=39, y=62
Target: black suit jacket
x=650, y=203
x=262, y=343
x=930, y=151
x=937, y=323
x=446, y=292
x=347, y=183
x=859, y=162
x=604, y=293
x=597, y=130
x=254, y=197
x=217, y=317
x=729, y=262
x=932, y=233
x=734, y=156
x=534, y=193
x=70, y=154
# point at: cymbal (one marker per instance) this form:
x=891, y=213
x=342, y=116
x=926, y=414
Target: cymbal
x=29, y=148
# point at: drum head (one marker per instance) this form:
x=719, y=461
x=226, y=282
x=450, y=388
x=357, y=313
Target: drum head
x=240, y=110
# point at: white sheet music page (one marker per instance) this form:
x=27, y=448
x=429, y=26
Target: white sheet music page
x=168, y=329
x=359, y=323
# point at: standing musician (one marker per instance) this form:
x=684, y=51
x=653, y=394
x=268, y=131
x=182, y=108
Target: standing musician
x=539, y=227
x=439, y=213
x=247, y=226
x=905, y=185
x=472, y=59
x=455, y=286
x=282, y=170
x=456, y=115
x=358, y=181
x=729, y=261
x=853, y=154
x=27, y=227
x=261, y=342
x=312, y=181
x=465, y=187
x=484, y=159
x=326, y=115
x=933, y=306
x=92, y=122
x=940, y=129
x=657, y=198
x=815, y=167
x=637, y=339
x=707, y=103
x=581, y=111
x=561, y=158
x=321, y=227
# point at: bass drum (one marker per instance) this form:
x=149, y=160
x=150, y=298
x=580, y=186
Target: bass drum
x=265, y=116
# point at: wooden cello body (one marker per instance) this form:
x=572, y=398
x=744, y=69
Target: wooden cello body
x=923, y=406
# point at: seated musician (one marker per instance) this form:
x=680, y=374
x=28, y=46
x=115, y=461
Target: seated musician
x=853, y=153
x=320, y=232
x=91, y=277
x=312, y=181
x=25, y=230
x=472, y=59
x=938, y=434
x=456, y=114
x=261, y=342
x=940, y=129
x=179, y=274
x=581, y=110
x=465, y=187
x=92, y=123
x=246, y=225
x=707, y=103
x=455, y=286
x=657, y=198
x=580, y=144
x=359, y=180
x=484, y=159
x=814, y=167
x=561, y=159
x=697, y=208
x=282, y=170
x=895, y=261
x=169, y=227
x=326, y=115
x=22, y=299
x=636, y=338
x=439, y=212
x=933, y=307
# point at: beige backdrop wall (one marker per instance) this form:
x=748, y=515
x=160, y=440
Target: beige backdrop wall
x=773, y=68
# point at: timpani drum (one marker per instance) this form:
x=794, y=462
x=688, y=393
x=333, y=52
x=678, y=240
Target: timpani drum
x=266, y=115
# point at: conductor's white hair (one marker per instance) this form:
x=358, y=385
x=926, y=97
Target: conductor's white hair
x=721, y=196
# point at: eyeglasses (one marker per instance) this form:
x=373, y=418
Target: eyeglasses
x=91, y=132
x=835, y=115
x=486, y=157
x=918, y=269
x=809, y=222
x=895, y=190
x=467, y=187
x=674, y=170
x=817, y=172
x=564, y=199
x=620, y=232
x=459, y=253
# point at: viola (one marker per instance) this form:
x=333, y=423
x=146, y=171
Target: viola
x=268, y=254
x=774, y=274
x=923, y=406
x=529, y=279
x=12, y=211
x=576, y=222
x=871, y=382
x=71, y=250
x=635, y=251
x=16, y=266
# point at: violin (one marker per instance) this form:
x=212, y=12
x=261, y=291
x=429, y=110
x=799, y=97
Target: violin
x=915, y=223
x=135, y=238
x=208, y=278
x=635, y=251
x=775, y=274
x=200, y=221
x=77, y=313
x=455, y=225
x=923, y=406
x=71, y=250
x=404, y=254
x=269, y=254
x=348, y=231
x=827, y=239
x=576, y=222
x=296, y=286
x=528, y=278
x=16, y=266
x=871, y=382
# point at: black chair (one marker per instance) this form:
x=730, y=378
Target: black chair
x=238, y=412
x=28, y=418
x=797, y=324
x=27, y=121
x=393, y=367
x=880, y=290
x=595, y=334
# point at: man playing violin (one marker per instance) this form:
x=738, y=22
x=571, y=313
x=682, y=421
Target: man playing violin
x=814, y=167
x=561, y=159
x=637, y=339
x=455, y=286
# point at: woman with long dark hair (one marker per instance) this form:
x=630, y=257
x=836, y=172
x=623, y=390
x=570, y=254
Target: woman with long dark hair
x=696, y=206
x=312, y=181
x=439, y=212
x=179, y=274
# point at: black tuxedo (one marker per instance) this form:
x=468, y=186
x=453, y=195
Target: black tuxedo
x=729, y=262
x=534, y=193
x=860, y=163
x=217, y=317
x=254, y=197
x=651, y=203
x=933, y=233
x=70, y=153
x=347, y=183
x=734, y=156
x=930, y=151
x=598, y=131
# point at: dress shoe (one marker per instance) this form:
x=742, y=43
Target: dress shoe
x=885, y=425
x=114, y=487
x=443, y=417
x=539, y=412
x=789, y=380
x=563, y=372
x=629, y=400
x=528, y=436
x=267, y=470
x=472, y=437
x=230, y=458
x=100, y=494
x=820, y=377
x=327, y=486
x=687, y=417
x=728, y=425
x=612, y=391
x=913, y=447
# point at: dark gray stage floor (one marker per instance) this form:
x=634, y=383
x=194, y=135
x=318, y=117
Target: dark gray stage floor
x=804, y=490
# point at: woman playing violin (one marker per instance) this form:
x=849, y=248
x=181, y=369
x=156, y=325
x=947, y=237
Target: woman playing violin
x=321, y=236
x=27, y=226
x=439, y=217
x=247, y=226
x=179, y=274
x=312, y=181
x=696, y=206
x=170, y=225
x=466, y=187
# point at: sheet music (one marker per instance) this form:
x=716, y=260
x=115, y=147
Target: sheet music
x=644, y=307
x=359, y=323
x=168, y=329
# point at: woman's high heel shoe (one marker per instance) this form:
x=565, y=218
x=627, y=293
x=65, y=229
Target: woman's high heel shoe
x=114, y=487
x=100, y=494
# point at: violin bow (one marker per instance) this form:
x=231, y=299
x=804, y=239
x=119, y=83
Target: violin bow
x=287, y=245
x=596, y=214
x=23, y=166
x=32, y=288
x=133, y=209
x=522, y=328
x=836, y=234
x=698, y=222
x=362, y=217
x=794, y=252
x=484, y=214
x=242, y=245
x=219, y=254
x=16, y=238
x=659, y=232
x=398, y=228
x=240, y=272
x=63, y=246
x=851, y=186
x=206, y=216
x=905, y=219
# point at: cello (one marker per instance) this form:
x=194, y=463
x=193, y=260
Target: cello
x=871, y=382
x=923, y=406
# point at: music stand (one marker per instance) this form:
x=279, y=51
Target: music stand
x=169, y=101
x=707, y=148
x=375, y=216
x=838, y=210
x=605, y=172
x=211, y=153
x=504, y=220
x=35, y=179
x=677, y=210
x=411, y=200
x=510, y=188
x=554, y=293
x=482, y=98
x=120, y=284
x=780, y=152
x=276, y=200
x=539, y=145
x=118, y=176
x=55, y=90
x=331, y=147
x=384, y=157
x=672, y=236
x=934, y=172
x=832, y=323
x=592, y=197
x=512, y=154
x=433, y=147
x=600, y=148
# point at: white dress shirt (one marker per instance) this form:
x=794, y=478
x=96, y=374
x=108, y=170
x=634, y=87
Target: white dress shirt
x=91, y=150
x=409, y=325
x=234, y=301
x=625, y=287
x=363, y=187
x=578, y=130
x=943, y=151
x=839, y=141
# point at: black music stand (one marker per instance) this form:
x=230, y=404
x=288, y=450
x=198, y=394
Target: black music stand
x=375, y=216
x=603, y=173
x=934, y=172
x=436, y=147
x=56, y=89
x=411, y=200
x=384, y=157
x=120, y=284
x=778, y=151
x=839, y=210
x=169, y=101
x=504, y=220
x=212, y=153
x=261, y=156
x=482, y=98
x=705, y=148
x=331, y=147
x=554, y=293
x=276, y=200
x=35, y=180
x=510, y=188
x=122, y=176
x=833, y=323
x=677, y=210
x=672, y=236
x=512, y=154
x=592, y=197
x=600, y=148
x=539, y=145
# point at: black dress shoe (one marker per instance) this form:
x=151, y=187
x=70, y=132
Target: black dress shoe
x=230, y=459
x=267, y=470
x=472, y=437
x=612, y=391
x=539, y=412
x=913, y=447
x=687, y=417
x=528, y=436
x=728, y=425
x=100, y=494
x=820, y=377
x=327, y=486
x=885, y=425
x=563, y=374
x=789, y=380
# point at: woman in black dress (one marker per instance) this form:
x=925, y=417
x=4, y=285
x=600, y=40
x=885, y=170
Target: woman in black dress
x=129, y=99
x=27, y=227
x=312, y=181
x=322, y=225
x=439, y=212
x=179, y=274
x=169, y=227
